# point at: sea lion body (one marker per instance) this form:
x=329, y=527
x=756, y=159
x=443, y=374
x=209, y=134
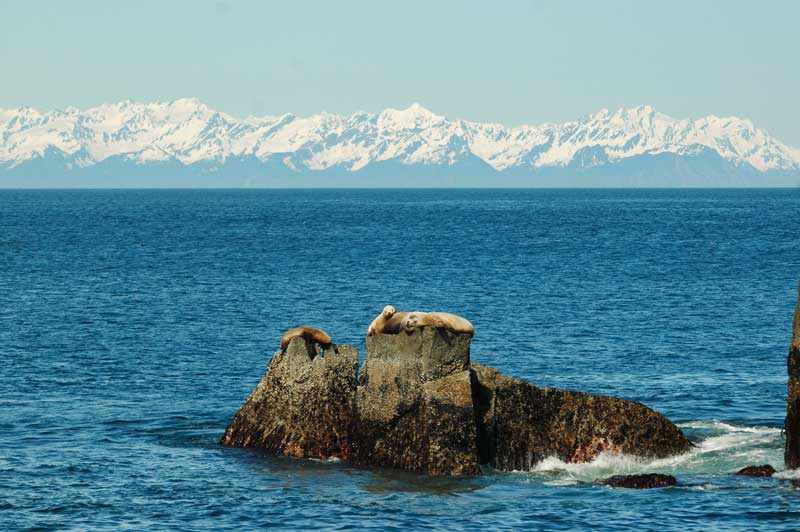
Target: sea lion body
x=444, y=320
x=395, y=324
x=310, y=334
x=389, y=321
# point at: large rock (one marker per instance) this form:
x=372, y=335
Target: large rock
x=792, y=427
x=421, y=405
x=414, y=406
x=303, y=406
x=519, y=424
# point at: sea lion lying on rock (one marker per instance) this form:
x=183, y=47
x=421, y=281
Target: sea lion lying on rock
x=310, y=334
x=444, y=320
x=389, y=321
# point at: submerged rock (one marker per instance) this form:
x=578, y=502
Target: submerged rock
x=303, y=406
x=640, y=482
x=520, y=424
x=765, y=470
x=792, y=427
x=421, y=405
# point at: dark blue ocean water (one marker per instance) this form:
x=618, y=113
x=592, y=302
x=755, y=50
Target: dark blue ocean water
x=133, y=324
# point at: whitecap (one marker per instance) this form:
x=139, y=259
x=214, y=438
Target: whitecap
x=706, y=487
x=329, y=460
x=791, y=474
x=725, y=449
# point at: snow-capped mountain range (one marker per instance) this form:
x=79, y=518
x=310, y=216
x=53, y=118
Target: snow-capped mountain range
x=185, y=142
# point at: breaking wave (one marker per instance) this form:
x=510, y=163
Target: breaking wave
x=720, y=449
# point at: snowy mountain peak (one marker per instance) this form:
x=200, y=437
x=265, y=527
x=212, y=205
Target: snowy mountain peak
x=418, y=110
x=413, y=117
x=190, y=132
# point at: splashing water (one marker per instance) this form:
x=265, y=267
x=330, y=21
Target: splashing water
x=720, y=449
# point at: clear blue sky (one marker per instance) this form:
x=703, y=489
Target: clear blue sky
x=511, y=62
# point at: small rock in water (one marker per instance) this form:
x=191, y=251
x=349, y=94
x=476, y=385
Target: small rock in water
x=640, y=482
x=765, y=470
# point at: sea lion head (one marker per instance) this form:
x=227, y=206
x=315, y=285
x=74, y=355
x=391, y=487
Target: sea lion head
x=388, y=311
x=410, y=321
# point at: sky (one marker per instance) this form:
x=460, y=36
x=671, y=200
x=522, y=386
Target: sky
x=511, y=62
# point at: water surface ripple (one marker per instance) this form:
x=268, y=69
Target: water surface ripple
x=134, y=323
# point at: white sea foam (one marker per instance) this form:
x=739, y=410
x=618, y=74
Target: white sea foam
x=707, y=487
x=721, y=448
x=727, y=427
x=789, y=474
x=329, y=460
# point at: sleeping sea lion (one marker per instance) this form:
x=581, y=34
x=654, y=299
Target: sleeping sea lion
x=444, y=320
x=310, y=334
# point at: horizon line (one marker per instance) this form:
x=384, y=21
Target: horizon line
x=211, y=188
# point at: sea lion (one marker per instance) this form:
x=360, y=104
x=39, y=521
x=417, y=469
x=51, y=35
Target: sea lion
x=444, y=320
x=310, y=334
x=389, y=321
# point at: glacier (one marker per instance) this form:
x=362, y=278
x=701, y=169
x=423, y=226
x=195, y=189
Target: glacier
x=186, y=143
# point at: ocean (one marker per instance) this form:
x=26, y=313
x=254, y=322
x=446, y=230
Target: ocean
x=133, y=324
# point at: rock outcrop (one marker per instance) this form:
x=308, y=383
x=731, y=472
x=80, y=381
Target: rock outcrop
x=519, y=424
x=421, y=405
x=303, y=406
x=640, y=482
x=792, y=427
x=414, y=404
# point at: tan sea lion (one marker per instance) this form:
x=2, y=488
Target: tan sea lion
x=445, y=320
x=310, y=334
x=389, y=321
